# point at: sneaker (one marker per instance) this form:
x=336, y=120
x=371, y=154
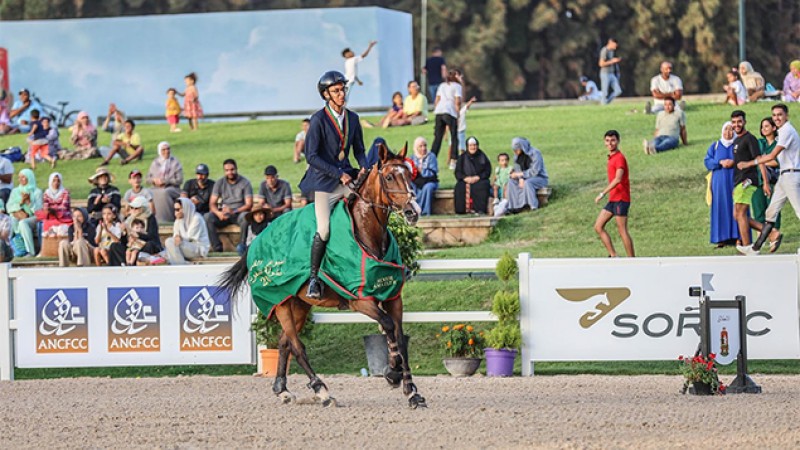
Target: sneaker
x=747, y=250
x=648, y=108
x=496, y=201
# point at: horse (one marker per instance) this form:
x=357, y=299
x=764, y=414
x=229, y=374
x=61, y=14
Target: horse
x=386, y=187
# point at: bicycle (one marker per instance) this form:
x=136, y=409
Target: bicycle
x=61, y=117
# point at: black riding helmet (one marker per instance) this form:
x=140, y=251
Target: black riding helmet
x=328, y=79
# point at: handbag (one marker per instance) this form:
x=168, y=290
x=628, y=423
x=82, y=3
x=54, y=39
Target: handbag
x=18, y=245
x=708, y=188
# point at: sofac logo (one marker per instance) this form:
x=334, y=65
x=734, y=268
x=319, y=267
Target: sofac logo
x=61, y=321
x=133, y=320
x=610, y=298
x=205, y=319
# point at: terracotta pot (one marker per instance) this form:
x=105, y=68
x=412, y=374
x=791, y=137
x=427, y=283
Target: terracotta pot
x=269, y=361
x=462, y=367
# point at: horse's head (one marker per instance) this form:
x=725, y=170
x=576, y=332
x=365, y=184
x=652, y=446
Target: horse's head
x=394, y=178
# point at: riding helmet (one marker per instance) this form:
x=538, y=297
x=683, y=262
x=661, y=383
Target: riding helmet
x=328, y=79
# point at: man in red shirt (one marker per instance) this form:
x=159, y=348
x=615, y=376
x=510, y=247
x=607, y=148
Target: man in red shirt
x=619, y=198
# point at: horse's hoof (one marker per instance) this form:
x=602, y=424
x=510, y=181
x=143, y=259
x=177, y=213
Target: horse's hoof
x=417, y=401
x=393, y=377
x=329, y=402
x=287, y=397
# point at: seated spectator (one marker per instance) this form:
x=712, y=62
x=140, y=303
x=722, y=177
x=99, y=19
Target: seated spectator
x=114, y=124
x=395, y=116
x=719, y=160
x=53, y=144
x=502, y=174
x=103, y=193
x=274, y=194
x=300, y=142
x=6, y=178
x=231, y=199
x=165, y=177
x=670, y=126
x=56, y=208
x=590, y=91
x=83, y=139
x=372, y=153
x=199, y=189
x=20, y=113
x=38, y=147
x=527, y=176
x=136, y=190
x=189, y=234
x=662, y=86
x=6, y=252
x=256, y=223
x=108, y=232
x=128, y=144
x=23, y=203
x=135, y=244
x=752, y=80
x=5, y=120
x=473, y=188
x=151, y=245
x=415, y=105
x=79, y=246
x=736, y=94
x=427, y=180
x=791, y=83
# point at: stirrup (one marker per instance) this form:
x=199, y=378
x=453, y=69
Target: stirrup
x=315, y=286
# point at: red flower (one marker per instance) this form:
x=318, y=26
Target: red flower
x=712, y=356
x=710, y=365
x=680, y=358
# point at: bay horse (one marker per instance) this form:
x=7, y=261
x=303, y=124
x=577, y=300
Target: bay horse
x=384, y=188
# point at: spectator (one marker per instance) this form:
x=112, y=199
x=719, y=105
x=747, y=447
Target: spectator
x=56, y=208
x=745, y=179
x=136, y=190
x=760, y=202
x=462, y=122
x=199, y=189
x=436, y=71
x=103, y=193
x=527, y=176
x=300, y=141
x=609, y=72
x=753, y=81
x=6, y=252
x=38, y=143
x=274, y=194
x=5, y=120
x=736, y=94
x=6, y=178
x=670, y=125
x=395, y=116
x=719, y=160
x=663, y=86
x=619, y=197
x=165, y=176
x=135, y=245
x=192, y=109
x=20, y=113
x=473, y=188
x=128, y=144
x=231, y=199
x=502, y=174
x=79, y=245
x=373, y=153
x=23, y=203
x=53, y=144
x=114, y=123
x=415, y=105
x=173, y=110
x=109, y=232
x=791, y=83
x=427, y=180
x=351, y=62
x=446, y=108
x=256, y=223
x=590, y=91
x=138, y=209
x=189, y=234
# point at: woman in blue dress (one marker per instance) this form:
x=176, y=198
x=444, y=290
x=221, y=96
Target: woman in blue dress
x=719, y=160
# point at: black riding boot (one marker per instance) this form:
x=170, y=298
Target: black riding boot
x=768, y=226
x=317, y=252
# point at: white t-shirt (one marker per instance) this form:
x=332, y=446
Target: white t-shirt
x=301, y=136
x=592, y=93
x=447, y=93
x=741, y=92
x=462, y=119
x=351, y=68
x=670, y=85
x=789, y=158
x=6, y=168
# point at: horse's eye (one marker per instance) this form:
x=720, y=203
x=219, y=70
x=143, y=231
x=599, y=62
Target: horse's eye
x=390, y=177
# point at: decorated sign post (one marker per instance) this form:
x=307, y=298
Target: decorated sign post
x=724, y=335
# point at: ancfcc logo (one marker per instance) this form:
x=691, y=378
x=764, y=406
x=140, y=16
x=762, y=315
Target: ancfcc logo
x=133, y=320
x=205, y=320
x=61, y=321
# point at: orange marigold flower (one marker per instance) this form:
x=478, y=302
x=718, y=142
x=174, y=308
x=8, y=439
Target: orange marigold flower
x=449, y=344
x=459, y=326
x=471, y=342
x=445, y=329
x=470, y=328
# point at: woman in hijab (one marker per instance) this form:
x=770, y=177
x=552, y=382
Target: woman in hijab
x=79, y=245
x=165, y=176
x=55, y=203
x=719, y=160
x=427, y=180
x=83, y=139
x=473, y=170
x=791, y=84
x=24, y=201
x=138, y=209
x=527, y=176
x=372, y=154
x=189, y=234
x=752, y=80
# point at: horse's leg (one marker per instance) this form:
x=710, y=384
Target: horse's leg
x=286, y=316
x=394, y=309
x=279, y=386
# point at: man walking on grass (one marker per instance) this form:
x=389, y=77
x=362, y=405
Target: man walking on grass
x=787, y=152
x=745, y=180
x=619, y=197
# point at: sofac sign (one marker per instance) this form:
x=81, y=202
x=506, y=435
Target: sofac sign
x=61, y=321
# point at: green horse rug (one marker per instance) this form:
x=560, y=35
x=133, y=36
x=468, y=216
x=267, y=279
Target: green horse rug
x=279, y=262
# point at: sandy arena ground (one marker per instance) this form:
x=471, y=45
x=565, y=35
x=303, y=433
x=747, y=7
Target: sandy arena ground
x=541, y=412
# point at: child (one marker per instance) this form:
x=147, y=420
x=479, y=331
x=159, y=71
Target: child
x=300, y=141
x=462, y=118
x=52, y=140
x=256, y=222
x=591, y=93
x=109, y=231
x=501, y=176
x=37, y=141
x=395, y=113
x=736, y=92
x=135, y=244
x=136, y=190
x=173, y=110
x=191, y=102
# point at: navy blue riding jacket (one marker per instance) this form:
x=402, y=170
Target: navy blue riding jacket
x=322, y=147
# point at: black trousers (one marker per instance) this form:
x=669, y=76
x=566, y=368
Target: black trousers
x=442, y=121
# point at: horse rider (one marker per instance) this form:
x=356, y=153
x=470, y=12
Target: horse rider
x=334, y=130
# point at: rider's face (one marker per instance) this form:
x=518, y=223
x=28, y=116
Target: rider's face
x=336, y=93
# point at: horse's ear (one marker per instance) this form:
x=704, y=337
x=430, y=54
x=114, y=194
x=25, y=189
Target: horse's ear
x=404, y=151
x=383, y=153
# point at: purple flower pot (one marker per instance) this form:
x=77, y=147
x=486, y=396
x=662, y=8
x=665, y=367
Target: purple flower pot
x=499, y=362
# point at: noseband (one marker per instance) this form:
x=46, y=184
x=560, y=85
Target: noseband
x=392, y=206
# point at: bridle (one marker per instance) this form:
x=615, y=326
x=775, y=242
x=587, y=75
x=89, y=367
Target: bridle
x=392, y=205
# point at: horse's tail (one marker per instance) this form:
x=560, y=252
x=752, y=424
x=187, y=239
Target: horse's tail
x=234, y=278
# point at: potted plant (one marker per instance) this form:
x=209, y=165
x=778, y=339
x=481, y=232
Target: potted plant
x=268, y=332
x=505, y=338
x=702, y=373
x=462, y=349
